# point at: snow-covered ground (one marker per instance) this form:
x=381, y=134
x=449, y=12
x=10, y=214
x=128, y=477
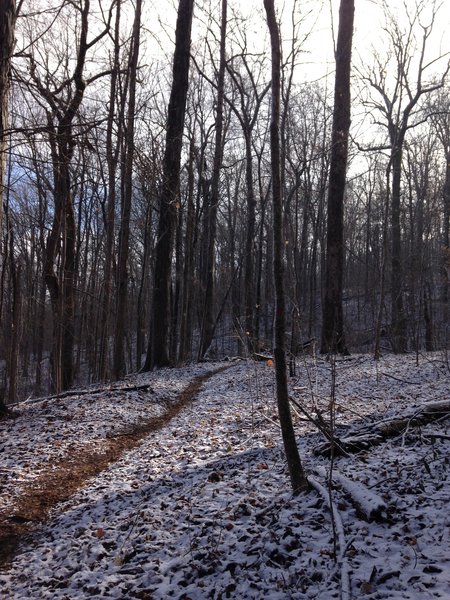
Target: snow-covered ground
x=202, y=507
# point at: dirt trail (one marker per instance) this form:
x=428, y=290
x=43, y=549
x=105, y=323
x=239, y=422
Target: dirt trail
x=66, y=476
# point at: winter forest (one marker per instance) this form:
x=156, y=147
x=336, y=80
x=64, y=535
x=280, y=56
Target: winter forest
x=224, y=299
x=137, y=226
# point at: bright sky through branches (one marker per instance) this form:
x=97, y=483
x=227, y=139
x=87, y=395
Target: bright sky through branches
x=316, y=24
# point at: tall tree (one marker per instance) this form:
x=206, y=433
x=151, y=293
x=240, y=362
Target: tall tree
x=397, y=97
x=158, y=349
x=333, y=335
x=8, y=16
x=441, y=122
x=298, y=478
x=207, y=331
x=60, y=261
x=112, y=158
x=246, y=109
x=124, y=232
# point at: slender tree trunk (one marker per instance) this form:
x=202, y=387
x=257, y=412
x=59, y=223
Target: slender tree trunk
x=143, y=291
x=446, y=244
x=398, y=319
x=428, y=316
x=69, y=274
x=158, y=351
x=333, y=335
x=7, y=40
x=112, y=156
x=298, y=478
x=7, y=26
x=208, y=323
x=50, y=276
x=384, y=253
x=177, y=289
x=249, y=285
x=40, y=338
x=119, y=362
x=188, y=272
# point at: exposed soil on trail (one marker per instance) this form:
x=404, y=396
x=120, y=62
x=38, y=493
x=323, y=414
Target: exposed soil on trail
x=64, y=477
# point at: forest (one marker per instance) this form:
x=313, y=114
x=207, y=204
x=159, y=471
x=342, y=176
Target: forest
x=138, y=228
x=224, y=299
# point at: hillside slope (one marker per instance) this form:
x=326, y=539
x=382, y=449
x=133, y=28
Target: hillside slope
x=200, y=506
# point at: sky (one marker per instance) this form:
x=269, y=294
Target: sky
x=320, y=25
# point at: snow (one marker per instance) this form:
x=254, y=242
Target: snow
x=202, y=508
x=371, y=505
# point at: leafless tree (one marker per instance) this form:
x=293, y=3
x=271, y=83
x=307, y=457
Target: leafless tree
x=399, y=81
x=158, y=350
x=333, y=335
x=299, y=481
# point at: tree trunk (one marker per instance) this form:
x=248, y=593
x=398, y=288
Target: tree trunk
x=7, y=40
x=158, y=351
x=208, y=323
x=7, y=26
x=112, y=157
x=428, y=316
x=446, y=244
x=298, y=478
x=119, y=362
x=249, y=243
x=173, y=353
x=333, y=335
x=398, y=320
x=188, y=273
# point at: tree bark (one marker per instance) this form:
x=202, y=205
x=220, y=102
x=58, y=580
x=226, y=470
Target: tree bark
x=7, y=40
x=112, y=157
x=63, y=235
x=8, y=16
x=298, y=478
x=208, y=277
x=188, y=272
x=446, y=243
x=333, y=335
x=158, y=351
x=119, y=362
x=398, y=319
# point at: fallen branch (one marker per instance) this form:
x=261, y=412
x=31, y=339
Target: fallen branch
x=321, y=425
x=376, y=433
x=88, y=392
x=368, y=504
x=342, y=560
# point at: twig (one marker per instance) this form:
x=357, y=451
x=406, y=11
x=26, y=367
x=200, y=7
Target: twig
x=321, y=426
x=345, y=573
x=401, y=380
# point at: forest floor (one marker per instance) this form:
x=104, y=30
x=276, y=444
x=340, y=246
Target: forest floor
x=173, y=484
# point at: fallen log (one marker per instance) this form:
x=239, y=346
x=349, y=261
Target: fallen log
x=107, y=388
x=368, y=504
x=376, y=433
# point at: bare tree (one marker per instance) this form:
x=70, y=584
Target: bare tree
x=207, y=329
x=8, y=15
x=298, y=478
x=333, y=335
x=158, y=350
x=112, y=159
x=119, y=368
x=247, y=109
x=63, y=104
x=440, y=115
x=398, y=103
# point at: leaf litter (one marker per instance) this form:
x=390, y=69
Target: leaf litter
x=200, y=507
